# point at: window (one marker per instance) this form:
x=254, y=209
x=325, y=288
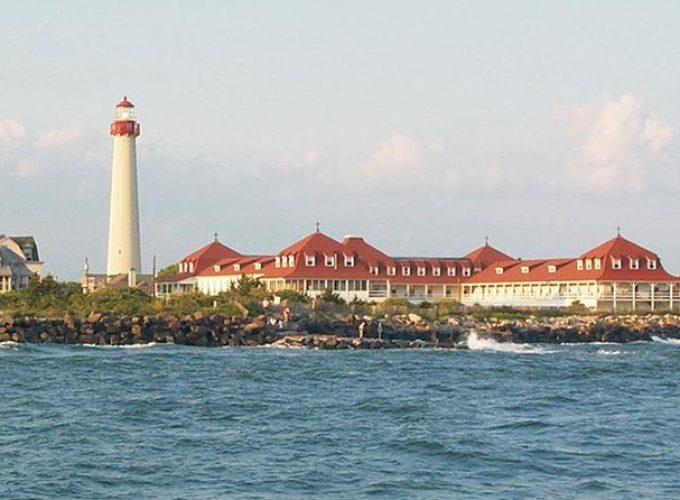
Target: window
x=406, y=271
x=391, y=271
x=330, y=260
x=466, y=271
x=436, y=271
x=310, y=260
x=349, y=260
x=217, y=268
x=258, y=266
x=635, y=263
x=291, y=261
x=598, y=264
x=616, y=263
x=375, y=270
x=421, y=271
x=579, y=264
x=552, y=268
x=499, y=270
x=237, y=267
x=277, y=262
x=284, y=261
x=451, y=271
x=524, y=269
x=191, y=267
x=651, y=263
x=589, y=264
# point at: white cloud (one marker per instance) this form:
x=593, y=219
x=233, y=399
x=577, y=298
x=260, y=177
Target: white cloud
x=492, y=178
x=618, y=143
x=397, y=152
x=57, y=138
x=657, y=134
x=26, y=169
x=11, y=132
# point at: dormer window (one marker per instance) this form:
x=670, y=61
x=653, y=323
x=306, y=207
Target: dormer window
x=284, y=261
x=277, y=262
x=406, y=271
x=349, y=260
x=524, y=269
x=421, y=271
x=291, y=261
x=499, y=270
x=634, y=263
x=552, y=268
x=310, y=260
x=598, y=263
x=237, y=267
x=616, y=263
x=579, y=264
x=436, y=271
x=651, y=264
x=217, y=268
x=466, y=271
x=375, y=270
x=391, y=271
x=451, y=271
x=589, y=264
x=257, y=266
x=330, y=260
x=191, y=267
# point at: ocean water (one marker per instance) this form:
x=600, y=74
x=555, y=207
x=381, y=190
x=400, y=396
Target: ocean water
x=499, y=421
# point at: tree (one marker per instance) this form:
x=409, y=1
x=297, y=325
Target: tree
x=331, y=297
x=167, y=271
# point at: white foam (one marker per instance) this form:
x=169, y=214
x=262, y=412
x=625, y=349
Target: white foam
x=9, y=344
x=126, y=346
x=662, y=340
x=611, y=352
x=474, y=343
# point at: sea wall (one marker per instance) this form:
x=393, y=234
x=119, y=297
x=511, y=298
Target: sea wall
x=401, y=331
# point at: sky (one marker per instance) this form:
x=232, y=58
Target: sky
x=423, y=126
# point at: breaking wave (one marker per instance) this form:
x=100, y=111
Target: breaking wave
x=663, y=340
x=475, y=343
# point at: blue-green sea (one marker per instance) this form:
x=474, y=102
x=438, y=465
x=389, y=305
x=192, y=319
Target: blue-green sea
x=497, y=421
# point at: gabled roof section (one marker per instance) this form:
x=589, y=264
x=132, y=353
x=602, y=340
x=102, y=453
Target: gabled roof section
x=619, y=247
x=486, y=255
x=315, y=242
x=209, y=254
x=28, y=246
x=357, y=245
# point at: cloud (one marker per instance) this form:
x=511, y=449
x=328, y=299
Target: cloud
x=26, y=169
x=57, y=138
x=397, y=152
x=11, y=132
x=617, y=144
x=657, y=134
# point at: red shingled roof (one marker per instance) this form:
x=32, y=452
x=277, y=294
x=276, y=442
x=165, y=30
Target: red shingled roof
x=209, y=254
x=568, y=269
x=486, y=255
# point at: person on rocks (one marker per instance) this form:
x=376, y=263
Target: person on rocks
x=362, y=330
x=286, y=315
x=380, y=330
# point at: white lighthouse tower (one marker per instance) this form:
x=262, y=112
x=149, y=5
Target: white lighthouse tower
x=124, y=255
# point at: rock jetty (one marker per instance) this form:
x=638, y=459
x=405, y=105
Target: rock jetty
x=400, y=331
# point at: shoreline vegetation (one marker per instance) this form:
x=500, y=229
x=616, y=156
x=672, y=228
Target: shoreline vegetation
x=248, y=315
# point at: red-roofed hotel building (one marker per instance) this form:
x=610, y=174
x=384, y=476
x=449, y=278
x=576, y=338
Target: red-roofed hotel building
x=351, y=268
x=617, y=275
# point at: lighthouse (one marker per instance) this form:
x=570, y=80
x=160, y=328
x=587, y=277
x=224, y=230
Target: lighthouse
x=124, y=254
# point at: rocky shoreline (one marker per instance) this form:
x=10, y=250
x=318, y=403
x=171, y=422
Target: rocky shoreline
x=396, y=332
